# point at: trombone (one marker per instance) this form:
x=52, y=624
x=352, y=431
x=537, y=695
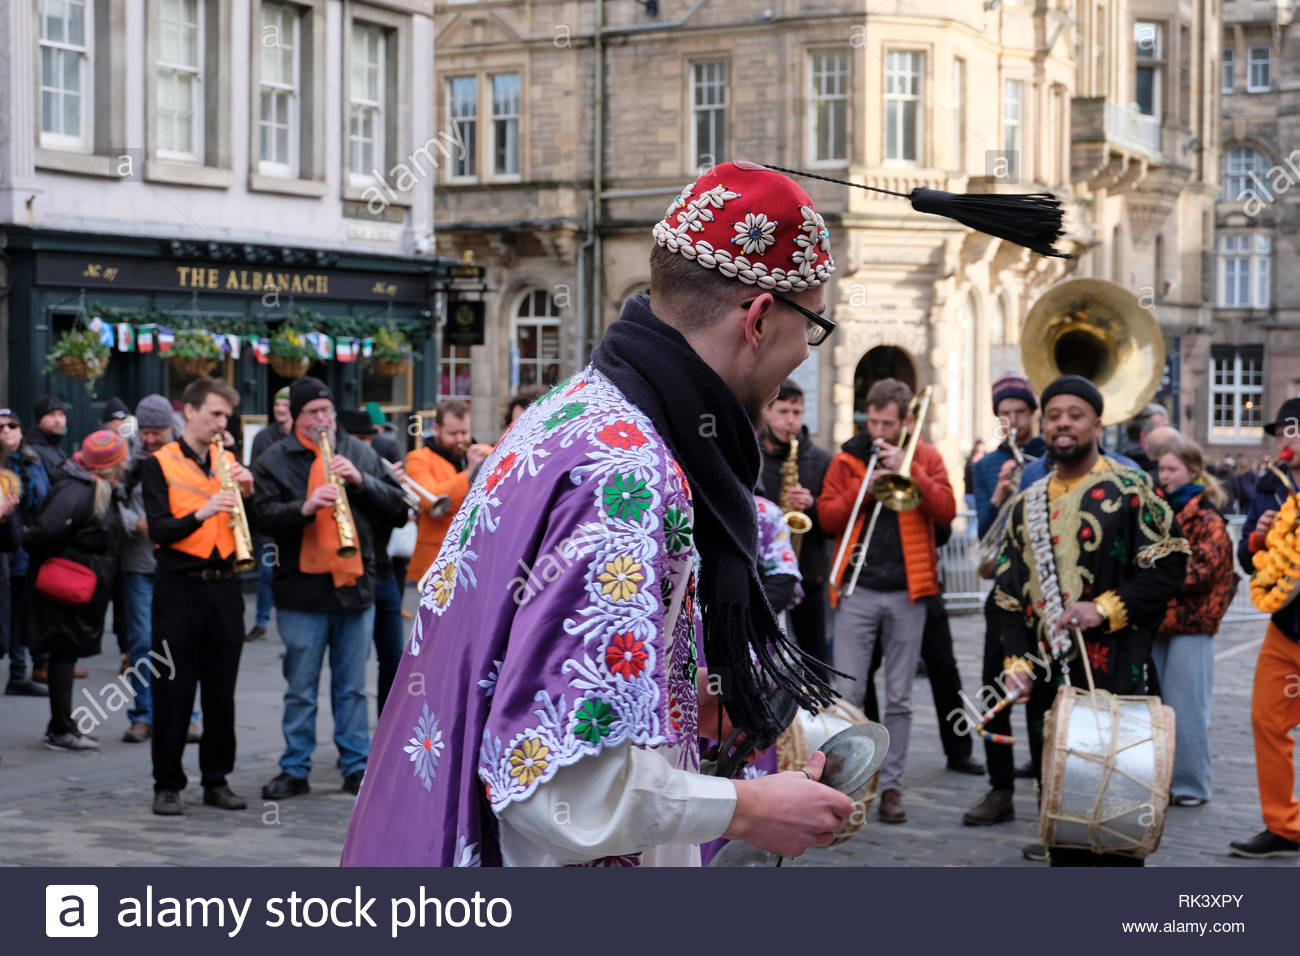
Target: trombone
x=897, y=491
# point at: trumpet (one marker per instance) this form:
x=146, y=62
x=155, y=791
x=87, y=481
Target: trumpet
x=417, y=498
x=342, y=512
x=244, y=560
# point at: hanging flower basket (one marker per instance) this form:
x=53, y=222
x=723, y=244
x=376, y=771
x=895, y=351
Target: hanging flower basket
x=193, y=366
x=391, y=354
x=290, y=368
x=389, y=367
x=79, y=355
x=73, y=367
x=291, y=353
x=194, y=352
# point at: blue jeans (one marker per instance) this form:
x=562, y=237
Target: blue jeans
x=306, y=635
x=1185, y=665
x=137, y=602
x=389, y=640
x=265, y=570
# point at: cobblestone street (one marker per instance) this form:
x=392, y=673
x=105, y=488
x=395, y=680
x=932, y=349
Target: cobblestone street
x=94, y=809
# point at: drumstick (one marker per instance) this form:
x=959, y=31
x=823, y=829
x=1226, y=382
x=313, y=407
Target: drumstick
x=997, y=708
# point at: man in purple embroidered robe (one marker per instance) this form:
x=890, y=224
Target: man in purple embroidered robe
x=547, y=709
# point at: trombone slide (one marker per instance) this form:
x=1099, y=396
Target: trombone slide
x=853, y=515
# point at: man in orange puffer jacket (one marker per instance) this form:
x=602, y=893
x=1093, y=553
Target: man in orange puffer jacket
x=447, y=464
x=901, y=566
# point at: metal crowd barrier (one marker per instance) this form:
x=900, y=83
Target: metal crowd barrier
x=964, y=590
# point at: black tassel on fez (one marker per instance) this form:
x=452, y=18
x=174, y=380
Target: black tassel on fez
x=1032, y=220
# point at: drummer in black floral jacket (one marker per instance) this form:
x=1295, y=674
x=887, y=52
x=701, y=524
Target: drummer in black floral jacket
x=1091, y=546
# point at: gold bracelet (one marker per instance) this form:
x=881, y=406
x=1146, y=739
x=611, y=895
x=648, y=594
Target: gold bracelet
x=1016, y=664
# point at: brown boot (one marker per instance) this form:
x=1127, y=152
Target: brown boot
x=137, y=733
x=996, y=806
x=891, y=807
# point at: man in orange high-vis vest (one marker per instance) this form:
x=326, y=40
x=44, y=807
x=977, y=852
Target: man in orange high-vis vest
x=198, y=607
x=900, y=567
x=446, y=465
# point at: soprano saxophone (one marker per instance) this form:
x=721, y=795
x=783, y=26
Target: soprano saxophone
x=244, y=560
x=796, y=521
x=342, y=512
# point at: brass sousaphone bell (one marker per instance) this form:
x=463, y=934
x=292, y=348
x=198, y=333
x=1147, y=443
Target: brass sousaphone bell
x=1099, y=330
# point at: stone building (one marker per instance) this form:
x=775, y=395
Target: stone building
x=582, y=133
x=1251, y=362
x=218, y=164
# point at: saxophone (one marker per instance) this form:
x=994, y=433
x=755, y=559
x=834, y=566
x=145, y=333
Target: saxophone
x=244, y=560
x=342, y=512
x=798, y=522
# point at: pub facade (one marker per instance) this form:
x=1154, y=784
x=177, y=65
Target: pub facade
x=136, y=292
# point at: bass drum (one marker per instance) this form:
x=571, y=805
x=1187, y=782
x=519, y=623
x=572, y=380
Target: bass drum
x=806, y=734
x=1107, y=764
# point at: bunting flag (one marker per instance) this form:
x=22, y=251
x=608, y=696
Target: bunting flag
x=107, y=334
x=125, y=338
x=367, y=346
x=262, y=351
x=232, y=346
x=144, y=338
x=165, y=339
x=346, y=350
x=324, y=346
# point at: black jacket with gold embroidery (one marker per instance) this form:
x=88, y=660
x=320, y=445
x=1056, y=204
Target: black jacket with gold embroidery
x=1110, y=533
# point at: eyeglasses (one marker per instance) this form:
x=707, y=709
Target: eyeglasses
x=13, y=425
x=821, y=327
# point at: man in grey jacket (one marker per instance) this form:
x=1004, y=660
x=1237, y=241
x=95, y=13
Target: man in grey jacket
x=154, y=420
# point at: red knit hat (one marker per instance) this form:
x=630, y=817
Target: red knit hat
x=751, y=224
x=102, y=449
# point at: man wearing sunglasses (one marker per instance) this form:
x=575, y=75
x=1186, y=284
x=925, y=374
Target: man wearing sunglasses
x=23, y=461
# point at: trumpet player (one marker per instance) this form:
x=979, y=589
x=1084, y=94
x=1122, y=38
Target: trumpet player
x=900, y=566
x=995, y=482
x=321, y=494
x=782, y=425
x=198, y=607
x=446, y=465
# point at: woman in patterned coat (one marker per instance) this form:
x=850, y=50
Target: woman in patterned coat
x=1184, y=646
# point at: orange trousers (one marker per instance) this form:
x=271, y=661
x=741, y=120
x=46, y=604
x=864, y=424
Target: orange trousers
x=1274, y=712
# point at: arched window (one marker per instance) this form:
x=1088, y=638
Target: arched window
x=1238, y=163
x=536, y=340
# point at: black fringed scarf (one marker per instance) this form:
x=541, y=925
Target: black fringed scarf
x=713, y=441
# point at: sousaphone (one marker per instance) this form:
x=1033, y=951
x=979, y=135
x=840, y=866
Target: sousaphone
x=1099, y=330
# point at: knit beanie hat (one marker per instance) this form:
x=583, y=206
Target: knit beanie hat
x=304, y=390
x=281, y=395
x=154, y=411
x=1013, y=386
x=1079, y=387
x=102, y=449
x=46, y=404
x=115, y=410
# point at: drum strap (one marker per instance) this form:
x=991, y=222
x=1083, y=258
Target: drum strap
x=1040, y=540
